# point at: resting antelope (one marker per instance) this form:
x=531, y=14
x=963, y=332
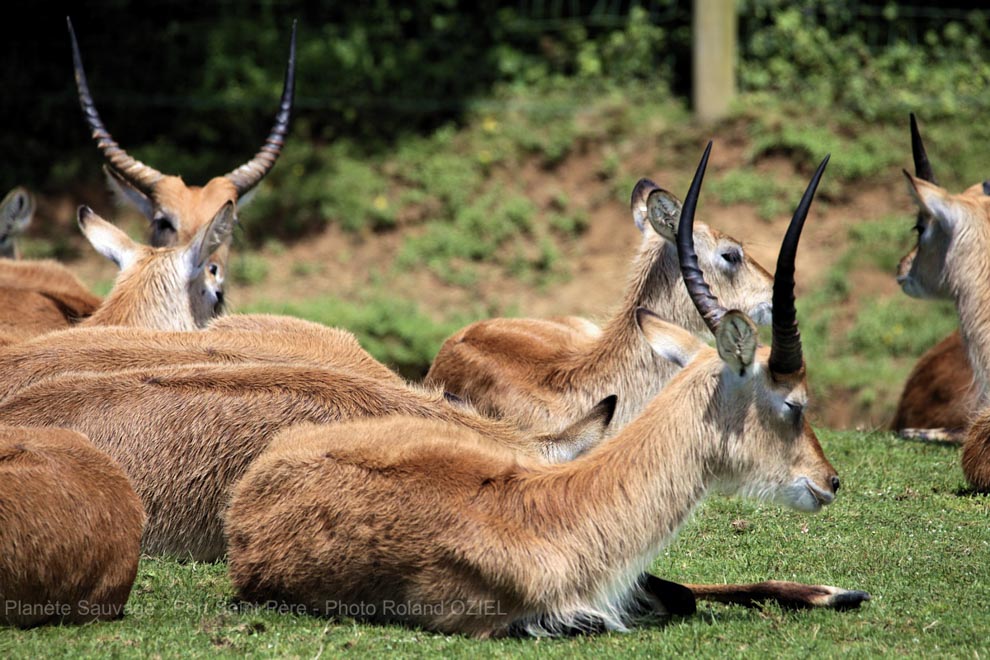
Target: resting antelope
x=950, y=261
x=70, y=529
x=185, y=434
x=539, y=373
x=229, y=340
x=16, y=211
x=176, y=211
x=435, y=525
x=940, y=393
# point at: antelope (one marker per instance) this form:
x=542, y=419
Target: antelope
x=229, y=340
x=176, y=211
x=435, y=525
x=950, y=261
x=940, y=394
x=16, y=211
x=538, y=372
x=159, y=288
x=184, y=434
x=71, y=531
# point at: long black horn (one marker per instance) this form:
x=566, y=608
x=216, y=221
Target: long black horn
x=785, y=351
x=250, y=173
x=708, y=305
x=137, y=173
x=922, y=168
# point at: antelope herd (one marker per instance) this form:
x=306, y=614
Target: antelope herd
x=524, y=488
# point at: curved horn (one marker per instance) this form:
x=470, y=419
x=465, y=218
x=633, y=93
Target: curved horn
x=708, y=305
x=137, y=173
x=785, y=351
x=922, y=168
x=250, y=173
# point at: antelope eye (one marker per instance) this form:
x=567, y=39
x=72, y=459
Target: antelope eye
x=214, y=269
x=164, y=224
x=732, y=256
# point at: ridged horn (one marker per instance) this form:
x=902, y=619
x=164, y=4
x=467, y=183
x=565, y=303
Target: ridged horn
x=137, y=173
x=248, y=175
x=701, y=294
x=922, y=167
x=785, y=352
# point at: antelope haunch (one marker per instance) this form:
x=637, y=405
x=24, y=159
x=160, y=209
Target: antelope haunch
x=176, y=211
x=539, y=373
x=70, y=529
x=950, y=261
x=438, y=526
x=185, y=434
x=16, y=211
x=940, y=394
x=159, y=288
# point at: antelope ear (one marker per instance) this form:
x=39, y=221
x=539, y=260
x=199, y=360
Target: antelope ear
x=671, y=342
x=126, y=193
x=209, y=239
x=932, y=199
x=651, y=203
x=582, y=435
x=18, y=206
x=736, y=340
x=107, y=239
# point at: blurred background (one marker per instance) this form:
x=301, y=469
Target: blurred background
x=450, y=161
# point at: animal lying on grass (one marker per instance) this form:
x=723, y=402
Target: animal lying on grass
x=428, y=523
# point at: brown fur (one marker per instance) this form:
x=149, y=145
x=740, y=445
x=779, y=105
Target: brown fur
x=185, y=434
x=976, y=452
x=233, y=339
x=939, y=391
x=70, y=529
x=544, y=373
x=476, y=539
x=40, y=296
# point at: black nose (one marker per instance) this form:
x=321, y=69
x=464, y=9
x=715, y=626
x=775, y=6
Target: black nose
x=835, y=484
x=220, y=302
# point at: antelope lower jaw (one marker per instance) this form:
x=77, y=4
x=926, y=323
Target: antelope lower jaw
x=802, y=494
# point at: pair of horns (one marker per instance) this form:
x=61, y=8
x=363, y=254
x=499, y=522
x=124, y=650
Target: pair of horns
x=785, y=352
x=144, y=177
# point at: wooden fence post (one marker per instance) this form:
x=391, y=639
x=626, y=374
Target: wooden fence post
x=714, y=27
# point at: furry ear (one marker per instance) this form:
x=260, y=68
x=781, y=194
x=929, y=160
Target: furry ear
x=651, y=203
x=932, y=199
x=17, y=207
x=671, y=342
x=107, y=239
x=125, y=192
x=736, y=340
x=209, y=239
x=583, y=434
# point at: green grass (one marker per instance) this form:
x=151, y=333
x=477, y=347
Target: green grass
x=902, y=528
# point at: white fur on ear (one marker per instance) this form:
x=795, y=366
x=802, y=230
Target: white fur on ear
x=107, y=239
x=209, y=239
x=671, y=342
x=125, y=193
x=932, y=199
x=736, y=340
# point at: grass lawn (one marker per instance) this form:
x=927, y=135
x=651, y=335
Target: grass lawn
x=903, y=528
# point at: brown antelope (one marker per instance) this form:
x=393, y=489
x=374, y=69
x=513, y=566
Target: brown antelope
x=16, y=211
x=176, y=211
x=71, y=529
x=436, y=525
x=159, y=288
x=940, y=393
x=950, y=261
x=185, y=434
x=229, y=340
x=540, y=373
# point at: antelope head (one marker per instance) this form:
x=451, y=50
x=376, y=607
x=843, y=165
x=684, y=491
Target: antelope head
x=736, y=278
x=16, y=211
x=176, y=211
x=953, y=230
x=164, y=287
x=768, y=448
